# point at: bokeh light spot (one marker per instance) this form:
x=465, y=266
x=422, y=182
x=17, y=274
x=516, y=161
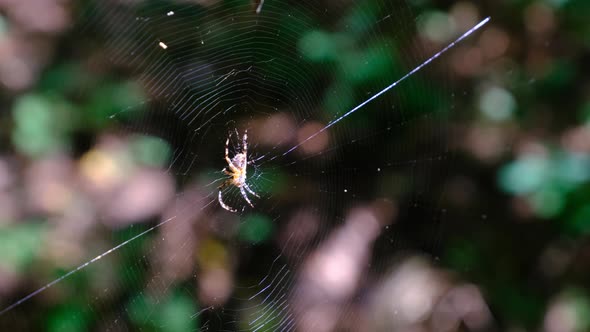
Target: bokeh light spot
x=497, y=104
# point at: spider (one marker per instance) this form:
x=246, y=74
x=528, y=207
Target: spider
x=237, y=172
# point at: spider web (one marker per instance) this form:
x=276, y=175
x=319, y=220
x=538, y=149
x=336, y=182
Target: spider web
x=339, y=150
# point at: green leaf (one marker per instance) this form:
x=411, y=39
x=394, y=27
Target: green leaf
x=37, y=125
x=150, y=150
x=318, y=46
x=524, y=175
x=579, y=223
x=256, y=228
x=19, y=244
x=70, y=318
x=173, y=314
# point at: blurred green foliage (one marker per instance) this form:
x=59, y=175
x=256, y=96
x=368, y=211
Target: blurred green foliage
x=164, y=314
x=19, y=245
x=256, y=228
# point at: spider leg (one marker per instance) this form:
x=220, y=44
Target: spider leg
x=245, y=196
x=223, y=205
x=250, y=190
x=245, y=142
x=231, y=166
x=238, y=137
